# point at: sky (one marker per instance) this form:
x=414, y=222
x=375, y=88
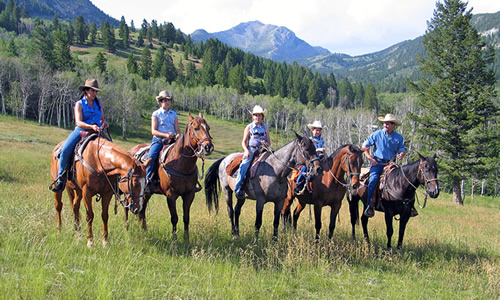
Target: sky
x=353, y=27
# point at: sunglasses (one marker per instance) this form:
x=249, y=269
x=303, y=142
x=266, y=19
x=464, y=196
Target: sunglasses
x=165, y=99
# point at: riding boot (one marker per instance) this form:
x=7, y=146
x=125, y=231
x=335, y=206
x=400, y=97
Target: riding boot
x=370, y=211
x=299, y=188
x=59, y=186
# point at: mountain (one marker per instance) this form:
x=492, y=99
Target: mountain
x=65, y=10
x=274, y=42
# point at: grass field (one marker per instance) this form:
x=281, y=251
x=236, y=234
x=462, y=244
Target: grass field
x=449, y=252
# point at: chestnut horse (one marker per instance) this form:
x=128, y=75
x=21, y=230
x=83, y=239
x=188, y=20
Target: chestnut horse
x=397, y=196
x=328, y=189
x=269, y=183
x=100, y=167
x=178, y=172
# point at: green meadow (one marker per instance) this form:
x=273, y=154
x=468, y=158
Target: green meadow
x=449, y=252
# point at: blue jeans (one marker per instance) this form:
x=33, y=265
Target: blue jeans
x=301, y=176
x=68, y=149
x=154, y=151
x=244, y=165
x=375, y=172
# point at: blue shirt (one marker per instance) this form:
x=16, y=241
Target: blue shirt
x=91, y=115
x=386, y=146
x=319, y=142
x=258, y=133
x=166, y=120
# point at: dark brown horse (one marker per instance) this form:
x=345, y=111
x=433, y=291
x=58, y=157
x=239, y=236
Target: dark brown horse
x=178, y=172
x=102, y=164
x=327, y=189
x=397, y=195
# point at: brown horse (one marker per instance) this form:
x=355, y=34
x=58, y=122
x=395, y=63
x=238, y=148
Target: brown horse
x=102, y=164
x=328, y=189
x=178, y=172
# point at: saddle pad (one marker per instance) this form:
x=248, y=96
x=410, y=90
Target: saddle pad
x=142, y=154
x=234, y=165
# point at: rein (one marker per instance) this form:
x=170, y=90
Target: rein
x=269, y=149
x=349, y=175
x=416, y=190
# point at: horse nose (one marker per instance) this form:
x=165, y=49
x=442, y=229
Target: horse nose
x=355, y=186
x=209, y=148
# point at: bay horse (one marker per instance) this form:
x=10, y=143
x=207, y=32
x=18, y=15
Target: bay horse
x=100, y=166
x=397, y=195
x=178, y=172
x=269, y=184
x=328, y=188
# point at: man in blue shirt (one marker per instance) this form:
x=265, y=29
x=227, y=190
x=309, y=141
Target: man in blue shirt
x=387, y=144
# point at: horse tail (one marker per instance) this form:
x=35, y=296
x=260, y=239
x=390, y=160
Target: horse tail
x=212, y=186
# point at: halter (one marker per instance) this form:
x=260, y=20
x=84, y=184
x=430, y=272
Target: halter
x=270, y=150
x=128, y=178
x=426, y=181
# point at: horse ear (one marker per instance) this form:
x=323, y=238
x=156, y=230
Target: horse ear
x=190, y=117
x=420, y=155
x=200, y=115
x=434, y=156
x=296, y=134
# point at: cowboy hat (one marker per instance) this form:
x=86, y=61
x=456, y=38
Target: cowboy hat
x=90, y=83
x=164, y=95
x=315, y=124
x=390, y=118
x=257, y=109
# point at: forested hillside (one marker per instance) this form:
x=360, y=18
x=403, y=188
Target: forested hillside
x=43, y=62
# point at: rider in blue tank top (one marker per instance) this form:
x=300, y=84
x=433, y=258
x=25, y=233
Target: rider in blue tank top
x=88, y=116
x=255, y=135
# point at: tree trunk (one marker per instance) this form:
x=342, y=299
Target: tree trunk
x=483, y=187
x=457, y=195
x=472, y=189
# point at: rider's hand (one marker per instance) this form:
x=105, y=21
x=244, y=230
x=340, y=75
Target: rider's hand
x=95, y=128
x=373, y=161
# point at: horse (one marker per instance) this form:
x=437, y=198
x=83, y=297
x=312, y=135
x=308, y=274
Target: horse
x=269, y=183
x=398, y=195
x=178, y=172
x=327, y=189
x=100, y=166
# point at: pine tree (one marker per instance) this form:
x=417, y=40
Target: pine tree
x=456, y=94
x=131, y=64
x=100, y=62
x=145, y=66
x=81, y=29
x=108, y=37
x=92, y=33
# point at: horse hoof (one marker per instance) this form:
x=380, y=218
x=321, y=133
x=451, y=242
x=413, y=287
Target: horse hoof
x=105, y=243
x=90, y=244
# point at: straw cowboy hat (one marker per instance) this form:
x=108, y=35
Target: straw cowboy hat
x=90, y=83
x=390, y=118
x=315, y=124
x=257, y=109
x=164, y=95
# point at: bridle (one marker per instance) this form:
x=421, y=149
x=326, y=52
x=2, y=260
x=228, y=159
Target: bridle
x=300, y=150
x=128, y=178
x=426, y=181
x=350, y=174
x=199, y=142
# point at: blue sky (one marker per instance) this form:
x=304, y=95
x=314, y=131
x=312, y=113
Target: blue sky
x=353, y=27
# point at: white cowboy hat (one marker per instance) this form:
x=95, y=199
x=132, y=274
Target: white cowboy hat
x=257, y=109
x=164, y=95
x=390, y=118
x=315, y=124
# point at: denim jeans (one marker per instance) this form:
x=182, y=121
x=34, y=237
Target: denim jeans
x=68, y=149
x=375, y=172
x=244, y=165
x=154, y=151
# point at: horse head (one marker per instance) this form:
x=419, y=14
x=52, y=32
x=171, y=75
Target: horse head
x=353, y=161
x=198, y=133
x=132, y=185
x=427, y=174
x=308, y=154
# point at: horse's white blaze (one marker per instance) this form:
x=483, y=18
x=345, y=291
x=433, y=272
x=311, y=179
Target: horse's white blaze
x=204, y=127
x=142, y=182
x=110, y=156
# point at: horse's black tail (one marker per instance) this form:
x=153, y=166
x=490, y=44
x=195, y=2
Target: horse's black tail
x=212, y=186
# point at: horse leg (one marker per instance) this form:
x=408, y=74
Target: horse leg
x=237, y=212
x=317, y=220
x=333, y=217
x=285, y=212
x=278, y=207
x=390, y=230
x=259, y=208
x=354, y=212
x=58, y=205
x=364, y=224
x=187, y=200
x=296, y=214
x=142, y=213
x=75, y=202
x=90, y=215
x=402, y=226
x=125, y=218
x=230, y=211
x=106, y=199
x=174, y=218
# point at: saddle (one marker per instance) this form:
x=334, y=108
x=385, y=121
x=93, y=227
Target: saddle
x=365, y=176
x=85, y=137
x=234, y=165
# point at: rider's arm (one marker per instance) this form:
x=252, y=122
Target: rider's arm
x=244, y=141
x=177, y=129
x=268, y=138
x=366, y=151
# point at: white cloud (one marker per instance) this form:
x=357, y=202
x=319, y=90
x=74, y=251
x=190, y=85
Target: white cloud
x=353, y=27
